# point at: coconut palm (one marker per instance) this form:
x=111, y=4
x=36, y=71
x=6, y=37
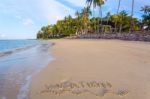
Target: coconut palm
x=100, y=3
x=132, y=13
x=108, y=15
x=146, y=9
x=89, y=3
x=96, y=3
x=77, y=14
x=146, y=16
x=117, y=14
x=86, y=12
x=122, y=17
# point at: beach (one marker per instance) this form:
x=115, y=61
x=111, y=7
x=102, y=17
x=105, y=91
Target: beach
x=95, y=69
x=19, y=61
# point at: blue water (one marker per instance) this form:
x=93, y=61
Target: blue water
x=20, y=60
x=7, y=45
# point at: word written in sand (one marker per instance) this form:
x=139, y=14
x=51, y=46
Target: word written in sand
x=94, y=88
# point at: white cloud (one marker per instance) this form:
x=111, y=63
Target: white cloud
x=18, y=16
x=79, y=3
x=28, y=22
x=2, y=35
x=111, y=5
x=40, y=10
x=14, y=14
x=53, y=10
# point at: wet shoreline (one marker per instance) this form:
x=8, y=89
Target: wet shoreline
x=17, y=69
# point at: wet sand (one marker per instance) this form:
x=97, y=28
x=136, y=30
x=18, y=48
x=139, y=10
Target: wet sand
x=17, y=69
x=95, y=69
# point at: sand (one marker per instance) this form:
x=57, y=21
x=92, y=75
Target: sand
x=95, y=69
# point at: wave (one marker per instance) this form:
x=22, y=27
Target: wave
x=25, y=89
x=23, y=66
x=9, y=52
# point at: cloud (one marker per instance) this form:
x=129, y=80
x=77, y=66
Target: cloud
x=79, y=3
x=16, y=15
x=2, y=35
x=39, y=10
x=53, y=10
x=111, y=5
x=19, y=15
x=28, y=22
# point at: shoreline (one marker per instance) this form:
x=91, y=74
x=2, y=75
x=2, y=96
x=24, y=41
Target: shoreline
x=87, y=69
x=17, y=69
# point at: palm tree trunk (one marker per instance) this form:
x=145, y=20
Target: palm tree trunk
x=120, y=30
x=100, y=22
x=94, y=19
x=101, y=15
x=107, y=21
x=77, y=26
x=132, y=13
x=117, y=14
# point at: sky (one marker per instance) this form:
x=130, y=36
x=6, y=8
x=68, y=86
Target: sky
x=22, y=19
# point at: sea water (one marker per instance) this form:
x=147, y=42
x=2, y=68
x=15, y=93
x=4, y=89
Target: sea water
x=20, y=60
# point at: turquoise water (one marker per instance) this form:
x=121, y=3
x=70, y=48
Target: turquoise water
x=20, y=60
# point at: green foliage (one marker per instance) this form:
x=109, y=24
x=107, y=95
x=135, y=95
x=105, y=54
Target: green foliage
x=67, y=26
x=146, y=16
x=83, y=23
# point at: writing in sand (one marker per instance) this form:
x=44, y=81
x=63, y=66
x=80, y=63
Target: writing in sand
x=77, y=88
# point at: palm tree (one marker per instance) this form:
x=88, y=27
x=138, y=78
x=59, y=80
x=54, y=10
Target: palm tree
x=108, y=15
x=122, y=15
x=86, y=12
x=77, y=13
x=93, y=3
x=146, y=16
x=146, y=9
x=96, y=3
x=132, y=13
x=117, y=14
x=100, y=3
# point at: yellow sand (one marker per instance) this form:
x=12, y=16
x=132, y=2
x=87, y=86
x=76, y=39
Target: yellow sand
x=121, y=70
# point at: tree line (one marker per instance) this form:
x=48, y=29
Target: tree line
x=86, y=22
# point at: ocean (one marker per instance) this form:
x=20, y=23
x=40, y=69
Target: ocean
x=20, y=60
